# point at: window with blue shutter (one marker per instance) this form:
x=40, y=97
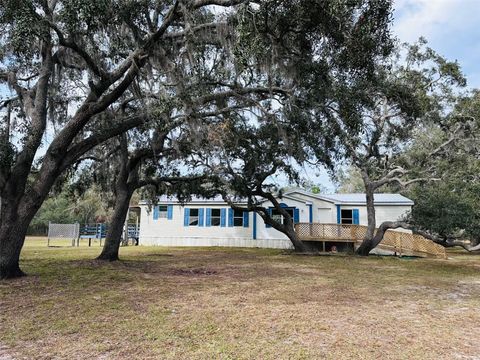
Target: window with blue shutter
x=186, y=219
x=230, y=217
x=278, y=217
x=200, y=216
x=223, y=217
x=170, y=212
x=238, y=217
x=356, y=216
x=160, y=212
x=347, y=216
x=245, y=219
x=209, y=217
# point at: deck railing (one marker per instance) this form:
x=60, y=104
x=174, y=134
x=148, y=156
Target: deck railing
x=401, y=242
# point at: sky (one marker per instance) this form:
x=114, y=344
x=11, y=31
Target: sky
x=450, y=26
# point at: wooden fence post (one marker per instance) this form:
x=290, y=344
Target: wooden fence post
x=400, y=244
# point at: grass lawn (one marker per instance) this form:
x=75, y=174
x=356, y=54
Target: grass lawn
x=217, y=303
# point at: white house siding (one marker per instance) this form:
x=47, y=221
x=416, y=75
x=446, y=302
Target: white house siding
x=165, y=232
x=382, y=212
x=264, y=232
x=319, y=209
x=324, y=212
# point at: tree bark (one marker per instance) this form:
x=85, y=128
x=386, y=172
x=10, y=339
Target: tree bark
x=368, y=246
x=11, y=242
x=115, y=230
x=124, y=188
x=298, y=244
x=14, y=221
x=367, y=243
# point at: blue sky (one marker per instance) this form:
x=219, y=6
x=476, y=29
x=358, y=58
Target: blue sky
x=452, y=28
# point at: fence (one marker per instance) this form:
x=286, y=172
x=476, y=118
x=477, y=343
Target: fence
x=63, y=231
x=400, y=242
x=93, y=231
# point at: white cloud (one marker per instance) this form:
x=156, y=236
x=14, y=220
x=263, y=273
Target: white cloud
x=434, y=18
x=450, y=26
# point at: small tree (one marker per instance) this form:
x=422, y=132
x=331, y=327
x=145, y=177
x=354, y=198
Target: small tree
x=391, y=106
x=447, y=210
x=246, y=160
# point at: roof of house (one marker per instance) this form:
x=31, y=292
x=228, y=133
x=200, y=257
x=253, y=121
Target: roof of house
x=358, y=198
x=193, y=200
x=341, y=199
x=377, y=198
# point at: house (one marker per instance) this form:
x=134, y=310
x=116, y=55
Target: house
x=211, y=222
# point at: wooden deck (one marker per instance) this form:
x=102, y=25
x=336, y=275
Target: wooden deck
x=402, y=243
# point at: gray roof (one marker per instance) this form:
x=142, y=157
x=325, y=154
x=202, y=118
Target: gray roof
x=344, y=199
x=377, y=198
x=193, y=200
x=360, y=198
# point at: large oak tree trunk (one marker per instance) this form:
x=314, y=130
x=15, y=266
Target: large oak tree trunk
x=368, y=241
x=14, y=221
x=123, y=193
x=115, y=230
x=11, y=242
x=298, y=244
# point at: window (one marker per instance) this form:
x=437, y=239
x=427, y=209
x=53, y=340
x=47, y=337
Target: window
x=162, y=211
x=346, y=217
x=193, y=217
x=278, y=217
x=215, y=217
x=238, y=218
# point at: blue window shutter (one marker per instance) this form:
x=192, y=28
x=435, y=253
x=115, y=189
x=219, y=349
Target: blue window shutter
x=269, y=211
x=310, y=213
x=170, y=212
x=209, y=217
x=223, y=216
x=156, y=211
x=230, y=217
x=186, y=218
x=296, y=216
x=356, y=216
x=245, y=219
x=200, y=216
x=339, y=215
x=254, y=226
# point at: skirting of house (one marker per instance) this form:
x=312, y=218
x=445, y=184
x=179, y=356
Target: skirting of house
x=225, y=242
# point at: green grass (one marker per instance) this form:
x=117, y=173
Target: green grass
x=218, y=303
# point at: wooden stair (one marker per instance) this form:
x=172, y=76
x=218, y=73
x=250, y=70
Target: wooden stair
x=398, y=242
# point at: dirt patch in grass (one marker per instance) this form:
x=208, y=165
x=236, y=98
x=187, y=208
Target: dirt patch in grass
x=219, y=303
x=5, y=353
x=194, y=272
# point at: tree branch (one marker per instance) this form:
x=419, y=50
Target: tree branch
x=90, y=142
